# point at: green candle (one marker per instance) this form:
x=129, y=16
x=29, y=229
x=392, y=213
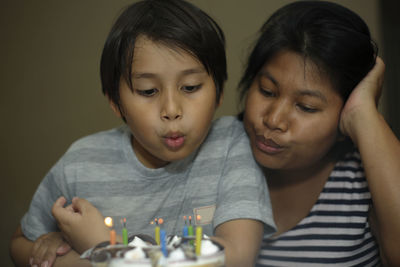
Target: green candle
x=124, y=233
x=190, y=230
x=190, y=227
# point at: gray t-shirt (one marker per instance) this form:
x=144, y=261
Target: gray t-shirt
x=220, y=181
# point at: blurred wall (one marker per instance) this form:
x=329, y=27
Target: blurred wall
x=50, y=88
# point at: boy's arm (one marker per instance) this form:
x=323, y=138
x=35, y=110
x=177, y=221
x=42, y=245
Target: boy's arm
x=241, y=239
x=21, y=251
x=380, y=154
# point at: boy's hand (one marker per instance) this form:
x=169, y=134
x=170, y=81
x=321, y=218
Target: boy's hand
x=363, y=101
x=81, y=224
x=46, y=248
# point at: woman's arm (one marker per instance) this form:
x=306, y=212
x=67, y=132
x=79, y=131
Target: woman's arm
x=20, y=248
x=241, y=239
x=380, y=154
x=21, y=252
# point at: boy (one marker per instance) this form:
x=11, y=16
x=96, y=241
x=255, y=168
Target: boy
x=163, y=67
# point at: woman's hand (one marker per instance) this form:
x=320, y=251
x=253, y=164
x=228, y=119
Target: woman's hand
x=363, y=101
x=46, y=248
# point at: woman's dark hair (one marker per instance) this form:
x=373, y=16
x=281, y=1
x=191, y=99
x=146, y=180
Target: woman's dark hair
x=331, y=36
x=174, y=23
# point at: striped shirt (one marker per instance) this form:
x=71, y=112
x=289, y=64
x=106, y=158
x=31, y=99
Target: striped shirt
x=336, y=231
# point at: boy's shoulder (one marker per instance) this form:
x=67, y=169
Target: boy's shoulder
x=103, y=139
x=226, y=132
x=227, y=125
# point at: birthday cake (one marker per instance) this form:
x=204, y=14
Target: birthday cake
x=142, y=251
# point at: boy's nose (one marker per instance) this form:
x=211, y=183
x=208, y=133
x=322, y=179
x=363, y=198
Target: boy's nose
x=171, y=108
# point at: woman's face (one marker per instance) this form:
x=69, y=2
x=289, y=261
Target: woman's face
x=292, y=113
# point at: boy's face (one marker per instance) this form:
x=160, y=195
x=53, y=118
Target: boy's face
x=171, y=106
x=292, y=114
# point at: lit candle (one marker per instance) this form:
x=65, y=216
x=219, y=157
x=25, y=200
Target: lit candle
x=124, y=232
x=157, y=229
x=185, y=228
x=199, y=235
x=164, y=242
x=113, y=235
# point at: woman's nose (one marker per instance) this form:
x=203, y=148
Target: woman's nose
x=276, y=116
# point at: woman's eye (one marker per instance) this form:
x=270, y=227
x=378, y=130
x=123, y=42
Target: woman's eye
x=191, y=88
x=148, y=92
x=266, y=92
x=306, y=108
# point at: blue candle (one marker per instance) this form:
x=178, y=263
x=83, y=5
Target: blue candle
x=185, y=228
x=163, y=237
x=185, y=232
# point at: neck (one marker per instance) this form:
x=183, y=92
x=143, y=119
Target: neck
x=293, y=193
x=284, y=178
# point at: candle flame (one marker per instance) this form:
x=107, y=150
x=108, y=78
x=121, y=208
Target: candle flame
x=198, y=218
x=160, y=221
x=108, y=221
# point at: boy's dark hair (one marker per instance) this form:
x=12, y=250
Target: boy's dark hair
x=331, y=36
x=175, y=23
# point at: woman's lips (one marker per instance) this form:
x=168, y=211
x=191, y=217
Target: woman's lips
x=174, y=140
x=268, y=146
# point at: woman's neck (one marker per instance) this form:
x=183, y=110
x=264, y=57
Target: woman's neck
x=294, y=192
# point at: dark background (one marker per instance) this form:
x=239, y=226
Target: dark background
x=50, y=86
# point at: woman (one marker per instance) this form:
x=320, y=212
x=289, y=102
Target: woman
x=330, y=160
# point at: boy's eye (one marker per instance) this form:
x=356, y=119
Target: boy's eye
x=191, y=88
x=148, y=92
x=306, y=108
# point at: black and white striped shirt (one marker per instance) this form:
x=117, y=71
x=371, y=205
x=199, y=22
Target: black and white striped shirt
x=336, y=231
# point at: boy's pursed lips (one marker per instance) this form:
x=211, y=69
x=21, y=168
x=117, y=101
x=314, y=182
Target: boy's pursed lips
x=174, y=140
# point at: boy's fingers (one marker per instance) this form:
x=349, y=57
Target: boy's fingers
x=69, y=208
x=60, y=201
x=58, y=206
x=80, y=205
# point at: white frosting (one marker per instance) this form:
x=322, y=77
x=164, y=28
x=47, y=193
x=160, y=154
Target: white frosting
x=134, y=254
x=208, y=248
x=176, y=255
x=210, y=254
x=137, y=242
